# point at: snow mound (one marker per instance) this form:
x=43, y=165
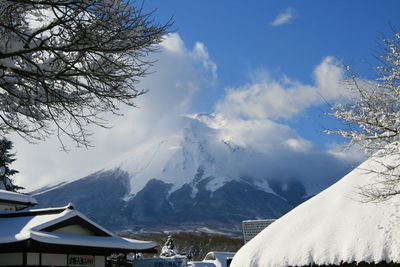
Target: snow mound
x=334, y=227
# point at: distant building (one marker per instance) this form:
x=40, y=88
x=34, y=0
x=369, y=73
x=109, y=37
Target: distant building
x=252, y=227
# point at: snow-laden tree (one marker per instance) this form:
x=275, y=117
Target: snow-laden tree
x=6, y=158
x=64, y=63
x=372, y=116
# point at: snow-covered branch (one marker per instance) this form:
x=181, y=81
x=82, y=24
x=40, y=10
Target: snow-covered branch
x=65, y=63
x=372, y=117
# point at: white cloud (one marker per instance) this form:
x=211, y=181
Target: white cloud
x=251, y=115
x=285, y=17
x=261, y=135
x=347, y=154
x=246, y=117
x=179, y=73
x=299, y=145
x=200, y=52
x=274, y=99
x=276, y=151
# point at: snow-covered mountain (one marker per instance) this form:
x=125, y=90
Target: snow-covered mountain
x=204, y=175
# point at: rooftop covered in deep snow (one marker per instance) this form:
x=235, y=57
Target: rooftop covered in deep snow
x=61, y=230
x=336, y=226
x=18, y=199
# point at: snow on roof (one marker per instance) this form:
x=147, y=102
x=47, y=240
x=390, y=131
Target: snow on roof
x=91, y=241
x=221, y=256
x=24, y=225
x=8, y=196
x=333, y=227
x=213, y=259
x=260, y=220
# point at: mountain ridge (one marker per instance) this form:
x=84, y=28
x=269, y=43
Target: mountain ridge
x=198, y=177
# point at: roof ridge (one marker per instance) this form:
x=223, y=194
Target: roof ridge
x=34, y=212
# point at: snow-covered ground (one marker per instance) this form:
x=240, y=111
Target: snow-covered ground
x=333, y=227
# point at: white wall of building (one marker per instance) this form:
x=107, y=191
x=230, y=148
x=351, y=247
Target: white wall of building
x=74, y=230
x=10, y=259
x=54, y=259
x=33, y=258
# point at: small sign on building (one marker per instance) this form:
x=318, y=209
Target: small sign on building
x=81, y=260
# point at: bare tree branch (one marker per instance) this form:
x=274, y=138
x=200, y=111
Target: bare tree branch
x=373, y=119
x=64, y=63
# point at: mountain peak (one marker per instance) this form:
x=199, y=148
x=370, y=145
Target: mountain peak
x=204, y=172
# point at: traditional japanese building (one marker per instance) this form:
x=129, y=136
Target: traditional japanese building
x=10, y=201
x=337, y=227
x=56, y=236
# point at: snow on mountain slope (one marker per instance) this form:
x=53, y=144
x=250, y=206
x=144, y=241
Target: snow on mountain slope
x=206, y=149
x=213, y=172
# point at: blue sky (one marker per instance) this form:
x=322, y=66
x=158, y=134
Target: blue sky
x=239, y=35
x=241, y=40
x=255, y=61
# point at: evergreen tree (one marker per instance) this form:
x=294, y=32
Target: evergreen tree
x=6, y=158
